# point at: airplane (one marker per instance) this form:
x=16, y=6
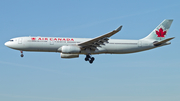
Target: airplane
x=73, y=47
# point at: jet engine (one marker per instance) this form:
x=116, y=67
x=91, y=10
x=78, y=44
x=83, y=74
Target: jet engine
x=69, y=55
x=70, y=49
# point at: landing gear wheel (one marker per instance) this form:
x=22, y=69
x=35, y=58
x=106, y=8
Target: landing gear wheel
x=22, y=55
x=90, y=61
x=86, y=59
x=89, y=58
x=92, y=58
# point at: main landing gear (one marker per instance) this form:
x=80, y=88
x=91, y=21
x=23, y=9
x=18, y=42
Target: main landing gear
x=22, y=54
x=89, y=58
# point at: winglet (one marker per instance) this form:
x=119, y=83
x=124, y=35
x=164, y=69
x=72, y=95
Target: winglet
x=119, y=28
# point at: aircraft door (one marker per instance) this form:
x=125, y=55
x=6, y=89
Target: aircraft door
x=20, y=41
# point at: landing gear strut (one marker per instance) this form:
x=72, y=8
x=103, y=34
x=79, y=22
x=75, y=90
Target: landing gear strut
x=89, y=58
x=22, y=54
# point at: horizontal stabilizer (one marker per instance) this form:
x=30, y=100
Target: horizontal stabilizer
x=163, y=41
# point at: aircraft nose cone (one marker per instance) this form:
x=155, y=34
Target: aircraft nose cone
x=6, y=44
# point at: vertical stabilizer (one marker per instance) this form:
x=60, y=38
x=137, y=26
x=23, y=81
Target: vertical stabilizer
x=160, y=32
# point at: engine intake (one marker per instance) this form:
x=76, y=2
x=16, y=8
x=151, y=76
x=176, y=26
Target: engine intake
x=70, y=49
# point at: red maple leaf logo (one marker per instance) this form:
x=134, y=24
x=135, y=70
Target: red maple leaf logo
x=33, y=38
x=161, y=33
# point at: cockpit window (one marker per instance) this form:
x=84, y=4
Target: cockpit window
x=11, y=40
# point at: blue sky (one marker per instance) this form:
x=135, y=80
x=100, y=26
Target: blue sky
x=152, y=75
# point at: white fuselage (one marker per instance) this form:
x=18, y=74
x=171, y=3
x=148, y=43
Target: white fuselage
x=72, y=47
x=52, y=44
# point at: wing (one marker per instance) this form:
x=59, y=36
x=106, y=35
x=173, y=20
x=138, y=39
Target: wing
x=96, y=42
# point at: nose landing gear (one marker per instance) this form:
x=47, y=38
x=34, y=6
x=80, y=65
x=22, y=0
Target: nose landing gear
x=22, y=54
x=89, y=58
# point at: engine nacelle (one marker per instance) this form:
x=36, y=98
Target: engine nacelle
x=70, y=49
x=69, y=55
